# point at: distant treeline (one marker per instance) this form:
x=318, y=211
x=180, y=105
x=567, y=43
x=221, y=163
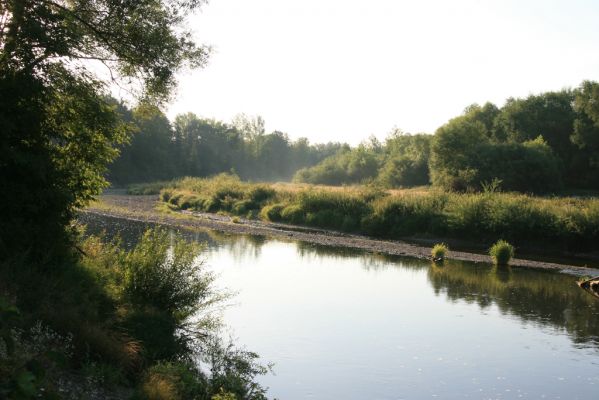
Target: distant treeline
x=192, y=146
x=538, y=144
x=402, y=161
x=541, y=143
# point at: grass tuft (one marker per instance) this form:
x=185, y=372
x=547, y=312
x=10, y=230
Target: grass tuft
x=501, y=252
x=439, y=251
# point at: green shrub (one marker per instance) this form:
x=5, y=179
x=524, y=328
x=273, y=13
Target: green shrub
x=242, y=207
x=165, y=194
x=501, y=252
x=162, y=272
x=396, y=216
x=324, y=219
x=261, y=193
x=272, y=212
x=172, y=381
x=175, y=198
x=293, y=213
x=187, y=201
x=570, y=223
x=439, y=251
x=345, y=167
x=212, y=205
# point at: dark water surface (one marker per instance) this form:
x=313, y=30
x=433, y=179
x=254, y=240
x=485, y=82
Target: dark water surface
x=343, y=324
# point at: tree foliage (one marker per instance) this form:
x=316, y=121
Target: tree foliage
x=540, y=143
x=586, y=133
x=58, y=129
x=193, y=146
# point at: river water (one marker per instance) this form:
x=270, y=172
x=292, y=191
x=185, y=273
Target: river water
x=342, y=324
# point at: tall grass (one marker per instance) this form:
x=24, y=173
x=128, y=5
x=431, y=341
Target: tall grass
x=501, y=252
x=562, y=222
x=136, y=318
x=439, y=251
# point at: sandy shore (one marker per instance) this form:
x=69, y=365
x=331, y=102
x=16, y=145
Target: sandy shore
x=142, y=208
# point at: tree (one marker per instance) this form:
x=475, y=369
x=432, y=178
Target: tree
x=149, y=154
x=464, y=157
x=486, y=115
x=548, y=114
x=454, y=152
x=586, y=134
x=406, y=160
x=273, y=156
x=58, y=130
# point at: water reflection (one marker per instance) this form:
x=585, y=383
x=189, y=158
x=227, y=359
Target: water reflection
x=241, y=246
x=546, y=298
x=541, y=297
x=343, y=323
x=369, y=261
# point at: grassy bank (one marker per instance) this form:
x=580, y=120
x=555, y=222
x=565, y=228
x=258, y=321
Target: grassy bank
x=564, y=223
x=120, y=324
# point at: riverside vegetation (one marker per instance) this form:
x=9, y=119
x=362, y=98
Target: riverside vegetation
x=83, y=318
x=544, y=144
x=501, y=252
x=135, y=320
x=566, y=223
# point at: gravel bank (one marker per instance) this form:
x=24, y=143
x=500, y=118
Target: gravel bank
x=142, y=208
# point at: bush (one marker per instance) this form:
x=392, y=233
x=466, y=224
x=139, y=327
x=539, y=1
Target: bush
x=293, y=213
x=261, y=193
x=242, y=207
x=404, y=172
x=570, y=223
x=501, y=252
x=463, y=156
x=439, y=251
x=172, y=381
x=272, y=212
x=163, y=273
x=345, y=167
x=396, y=216
x=165, y=194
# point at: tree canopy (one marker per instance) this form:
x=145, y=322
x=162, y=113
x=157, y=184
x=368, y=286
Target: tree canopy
x=57, y=60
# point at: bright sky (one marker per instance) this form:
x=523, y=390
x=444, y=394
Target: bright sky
x=341, y=70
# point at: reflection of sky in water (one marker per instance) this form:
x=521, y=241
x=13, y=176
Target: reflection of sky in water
x=338, y=330
x=347, y=325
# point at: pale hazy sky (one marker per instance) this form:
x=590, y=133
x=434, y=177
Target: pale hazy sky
x=341, y=70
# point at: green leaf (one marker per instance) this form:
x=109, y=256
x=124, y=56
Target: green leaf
x=26, y=383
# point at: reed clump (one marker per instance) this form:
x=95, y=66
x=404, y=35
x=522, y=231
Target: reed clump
x=501, y=252
x=439, y=251
x=566, y=222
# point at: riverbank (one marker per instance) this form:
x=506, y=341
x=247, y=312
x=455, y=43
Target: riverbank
x=144, y=208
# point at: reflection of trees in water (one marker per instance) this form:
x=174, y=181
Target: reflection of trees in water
x=240, y=246
x=130, y=231
x=544, y=298
x=548, y=299
x=370, y=261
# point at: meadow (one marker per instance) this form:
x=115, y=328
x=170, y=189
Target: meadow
x=564, y=223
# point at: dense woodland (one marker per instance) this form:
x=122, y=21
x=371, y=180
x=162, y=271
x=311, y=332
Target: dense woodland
x=192, y=146
x=539, y=144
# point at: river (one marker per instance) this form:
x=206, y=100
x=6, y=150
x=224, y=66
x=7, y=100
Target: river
x=343, y=324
